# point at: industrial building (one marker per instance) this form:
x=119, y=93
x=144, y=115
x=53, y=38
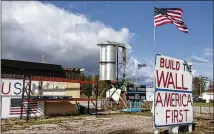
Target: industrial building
x=12, y=73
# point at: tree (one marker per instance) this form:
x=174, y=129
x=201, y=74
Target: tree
x=85, y=89
x=102, y=87
x=211, y=85
x=199, y=84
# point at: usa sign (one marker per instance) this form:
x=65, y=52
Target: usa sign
x=173, y=92
x=11, y=87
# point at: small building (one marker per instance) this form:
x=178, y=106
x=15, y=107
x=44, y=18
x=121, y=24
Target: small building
x=208, y=95
x=12, y=74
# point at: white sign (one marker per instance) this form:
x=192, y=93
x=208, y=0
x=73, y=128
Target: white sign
x=11, y=87
x=173, y=92
x=15, y=87
x=115, y=96
x=53, y=85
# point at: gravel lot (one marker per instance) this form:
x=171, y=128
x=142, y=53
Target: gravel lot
x=89, y=125
x=108, y=124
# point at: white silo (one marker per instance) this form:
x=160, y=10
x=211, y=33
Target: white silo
x=108, y=53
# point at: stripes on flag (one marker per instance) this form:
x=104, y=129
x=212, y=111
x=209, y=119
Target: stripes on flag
x=169, y=16
x=15, y=106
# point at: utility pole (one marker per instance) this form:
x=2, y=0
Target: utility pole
x=43, y=58
x=200, y=87
x=93, y=81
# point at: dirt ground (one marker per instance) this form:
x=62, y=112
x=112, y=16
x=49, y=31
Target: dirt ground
x=105, y=124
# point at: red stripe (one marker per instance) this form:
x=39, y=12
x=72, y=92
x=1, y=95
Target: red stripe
x=161, y=16
x=176, y=17
x=177, y=13
x=19, y=110
x=179, y=25
x=22, y=111
x=20, y=107
x=182, y=28
x=176, y=9
x=23, y=108
x=164, y=19
x=170, y=20
x=14, y=113
x=35, y=78
x=162, y=23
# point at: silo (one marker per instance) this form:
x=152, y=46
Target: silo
x=108, y=61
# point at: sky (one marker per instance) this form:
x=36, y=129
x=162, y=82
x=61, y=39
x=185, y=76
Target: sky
x=67, y=33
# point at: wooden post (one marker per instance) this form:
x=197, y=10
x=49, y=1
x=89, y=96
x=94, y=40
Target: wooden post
x=88, y=101
x=28, y=99
x=97, y=95
x=23, y=92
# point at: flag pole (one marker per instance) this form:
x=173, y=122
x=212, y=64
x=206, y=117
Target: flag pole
x=154, y=49
x=154, y=31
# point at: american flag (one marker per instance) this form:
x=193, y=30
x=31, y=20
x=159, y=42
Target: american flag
x=169, y=15
x=15, y=106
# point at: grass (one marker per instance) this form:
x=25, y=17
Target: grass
x=144, y=113
x=12, y=124
x=203, y=104
x=23, y=124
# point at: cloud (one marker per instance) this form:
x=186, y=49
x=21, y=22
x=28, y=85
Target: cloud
x=199, y=59
x=195, y=73
x=31, y=29
x=208, y=52
x=144, y=75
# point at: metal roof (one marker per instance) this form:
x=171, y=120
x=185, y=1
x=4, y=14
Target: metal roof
x=16, y=68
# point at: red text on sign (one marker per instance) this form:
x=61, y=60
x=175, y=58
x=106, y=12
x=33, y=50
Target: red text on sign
x=169, y=64
x=176, y=116
x=170, y=79
x=172, y=99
